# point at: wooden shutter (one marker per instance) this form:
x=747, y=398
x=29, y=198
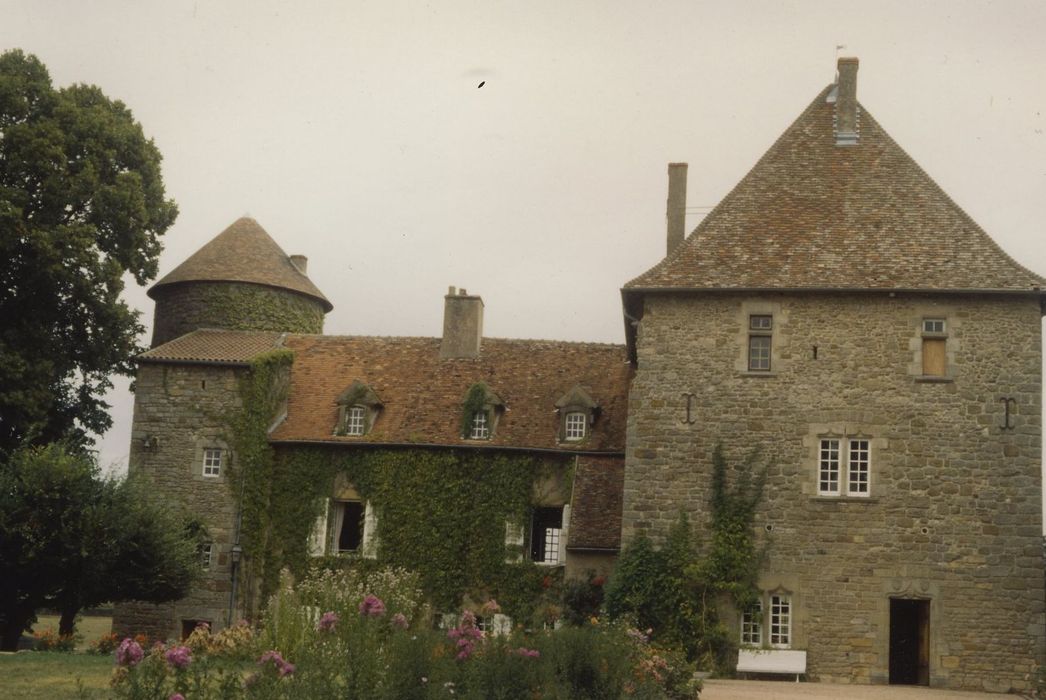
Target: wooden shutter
x=933, y=357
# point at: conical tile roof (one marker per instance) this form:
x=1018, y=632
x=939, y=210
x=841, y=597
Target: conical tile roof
x=243, y=252
x=814, y=215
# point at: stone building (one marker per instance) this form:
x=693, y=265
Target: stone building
x=240, y=297
x=837, y=311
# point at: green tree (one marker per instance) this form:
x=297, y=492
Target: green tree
x=81, y=204
x=69, y=539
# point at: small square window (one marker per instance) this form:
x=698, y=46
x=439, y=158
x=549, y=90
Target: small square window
x=212, y=462
x=575, y=426
x=355, y=420
x=480, y=426
x=205, y=552
x=760, y=322
x=933, y=325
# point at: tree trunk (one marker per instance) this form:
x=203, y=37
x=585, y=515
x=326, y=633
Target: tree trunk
x=67, y=622
x=16, y=622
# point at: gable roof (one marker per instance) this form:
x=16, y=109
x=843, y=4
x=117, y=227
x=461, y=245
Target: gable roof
x=423, y=395
x=243, y=252
x=214, y=346
x=813, y=215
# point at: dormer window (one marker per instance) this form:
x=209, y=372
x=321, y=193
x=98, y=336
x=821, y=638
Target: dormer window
x=577, y=411
x=574, y=428
x=480, y=413
x=480, y=427
x=356, y=420
x=358, y=408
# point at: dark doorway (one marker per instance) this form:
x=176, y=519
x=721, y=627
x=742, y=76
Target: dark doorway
x=909, y=642
x=350, y=537
x=189, y=625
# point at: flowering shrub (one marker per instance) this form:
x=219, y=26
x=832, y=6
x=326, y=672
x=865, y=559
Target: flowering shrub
x=106, y=644
x=129, y=653
x=179, y=657
x=49, y=640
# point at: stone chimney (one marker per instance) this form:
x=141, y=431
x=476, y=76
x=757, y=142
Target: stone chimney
x=676, y=207
x=847, y=116
x=301, y=262
x=462, y=324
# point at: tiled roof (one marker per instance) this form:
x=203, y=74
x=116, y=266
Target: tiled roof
x=244, y=252
x=422, y=395
x=214, y=346
x=595, y=515
x=814, y=215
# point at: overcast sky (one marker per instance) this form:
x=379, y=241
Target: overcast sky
x=357, y=134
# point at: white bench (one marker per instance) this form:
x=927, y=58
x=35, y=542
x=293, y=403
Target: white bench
x=772, y=661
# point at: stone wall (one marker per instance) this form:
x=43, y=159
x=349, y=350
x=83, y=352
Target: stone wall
x=954, y=510
x=182, y=308
x=179, y=411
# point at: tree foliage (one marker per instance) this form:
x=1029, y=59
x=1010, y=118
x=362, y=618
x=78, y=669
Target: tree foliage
x=81, y=204
x=676, y=591
x=70, y=539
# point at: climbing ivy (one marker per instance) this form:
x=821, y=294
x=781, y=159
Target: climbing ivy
x=252, y=307
x=677, y=589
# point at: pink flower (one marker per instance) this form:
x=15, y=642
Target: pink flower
x=129, y=653
x=465, y=635
x=526, y=653
x=177, y=696
x=372, y=606
x=179, y=657
x=327, y=622
x=283, y=667
x=400, y=620
x=490, y=607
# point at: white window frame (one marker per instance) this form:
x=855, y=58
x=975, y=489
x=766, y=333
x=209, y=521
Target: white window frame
x=480, y=429
x=844, y=466
x=356, y=421
x=780, y=627
x=752, y=625
x=212, y=462
x=206, y=555
x=575, y=426
x=935, y=326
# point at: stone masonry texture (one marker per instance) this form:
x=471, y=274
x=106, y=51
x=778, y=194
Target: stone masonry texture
x=953, y=515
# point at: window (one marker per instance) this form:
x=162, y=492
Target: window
x=546, y=536
x=830, y=471
x=780, y=621
x=355, y=420
x=480, y=426
x=575, y=426
x=348, y=526
x=934, y=347
x=760, y=330
x=205, y=551
x=212, y=461
x=752, y=625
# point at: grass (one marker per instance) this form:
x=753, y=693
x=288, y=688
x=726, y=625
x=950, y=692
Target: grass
x=89, y=628
x=39, y=675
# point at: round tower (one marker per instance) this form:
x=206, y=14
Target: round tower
x=241, y=280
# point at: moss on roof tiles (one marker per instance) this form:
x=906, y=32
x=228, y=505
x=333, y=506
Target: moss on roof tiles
x=243, y=252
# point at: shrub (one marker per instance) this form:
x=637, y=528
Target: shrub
x=49, y=640
x=106, y=644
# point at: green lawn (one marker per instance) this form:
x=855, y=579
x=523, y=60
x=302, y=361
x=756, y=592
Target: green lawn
x=52, y=675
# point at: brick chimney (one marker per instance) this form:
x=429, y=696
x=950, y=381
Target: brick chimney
x=676, y=207
x=462, y=324
x=847, y=116
x=301, y=262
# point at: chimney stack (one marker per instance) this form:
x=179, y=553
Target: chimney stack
x=301, y=262
x=676, y=207
x=847, y=122
x=462, y=325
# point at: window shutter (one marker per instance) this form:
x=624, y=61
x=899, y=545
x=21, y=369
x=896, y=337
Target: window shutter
x=318, y=538
x=933, y=357
x=501, y=625
x=370, y=532
x=514, y=540
x=564, y=534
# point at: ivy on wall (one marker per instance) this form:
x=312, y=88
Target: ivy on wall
x=241, y=306
x=442, y=512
